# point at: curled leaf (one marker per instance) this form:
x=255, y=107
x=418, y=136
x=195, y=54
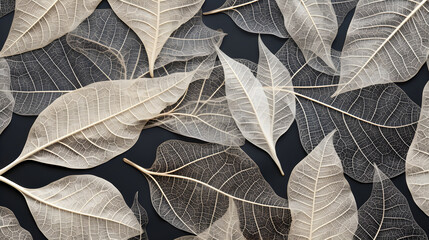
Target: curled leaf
x=192, y=184
x=320, y=197
x=417, y=165
x=80, y=206
x=38, y=23
x=10, y=228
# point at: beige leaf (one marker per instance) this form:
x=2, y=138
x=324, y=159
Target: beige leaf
x=37, y=23
x=320, y=197
x=10, y=228
x=155, y=20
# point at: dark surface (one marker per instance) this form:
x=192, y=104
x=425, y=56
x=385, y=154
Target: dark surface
x=237, y=43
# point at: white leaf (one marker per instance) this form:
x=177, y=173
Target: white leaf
x=7, y=101
x=155, y=20
x=80, y=207
x=387, y=41
x=10, y=228
x=192, y=184
x=320, y=197
x=417, y=165
x=313, y=26
x=386, y=214
x=91, y=125
x=249, y=105
x=203, y=113
x=225, y=228
x=36, y=23
x=141, y=215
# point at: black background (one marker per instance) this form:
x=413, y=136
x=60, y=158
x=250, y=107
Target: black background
x=237, y=44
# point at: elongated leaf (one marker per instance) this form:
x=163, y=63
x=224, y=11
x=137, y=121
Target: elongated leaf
x=154, y=21
x=225, y=228
x=91, y=125
x=6, y=6
x=7, y=101
x=387, y=41
x=203, y=113
x=313, y=25
x=141, y=215
x=386, y=214
x=38, y=23
x=375, y=125
x=191, y=186
x=101, y=48
x=249, y=105
x=320, y=197
x=80, y=206
x=10, y=228
x=417, y=166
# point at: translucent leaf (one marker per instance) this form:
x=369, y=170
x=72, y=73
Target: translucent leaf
x=225, y=228
x=320, y=197
x=203, y=113
x=417, y=166
x=313, y=26
x=10, y=228
x=375, y=125
x=37, y=23
x=91, y=125
x=6, y=6
x=7, y=101
x=192, y=184
x=101, y=48
x=141, y=216
x=386, y=214
x=80, y=206
x=154, y=21
x=387, y=41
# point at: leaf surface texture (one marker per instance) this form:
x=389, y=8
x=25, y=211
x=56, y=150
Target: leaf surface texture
x=10, y=228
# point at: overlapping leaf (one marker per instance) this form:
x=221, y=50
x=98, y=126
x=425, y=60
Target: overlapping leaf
x=203, y=113
x=38, y=23
x=154, y=21
x=262, y=118
x=387, y=41
x=375, y=125
x=141, y=215
x=81, y=206
x=417, y=166
x=6, y=6
x=386, y=214
x=192, y=184
x=320, y=197
x=7, y=101
x=101, y=48
x=91, y=125
x=10, y=228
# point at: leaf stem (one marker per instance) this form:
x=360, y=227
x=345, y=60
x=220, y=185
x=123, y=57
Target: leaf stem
x=12, y=184
x=10, y=166
x=132, y=164
x=229, y=8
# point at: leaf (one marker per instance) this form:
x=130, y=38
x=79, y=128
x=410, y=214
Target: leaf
x=141, y=215
x=7, y=101
x=101, y=48
x=417, y=165
x=375, y=125
x=386, y=214
x=265, y=17
x=6, y=7
x=37, y=23
x=203, y=113
x=191, y=186
x=249, y=105
x=80, y=206
x=320, y=197
x=225, y=228
x=91, y=125
x=313, y=26
x=10, y=228
x=387, y=41
x=154, y=21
